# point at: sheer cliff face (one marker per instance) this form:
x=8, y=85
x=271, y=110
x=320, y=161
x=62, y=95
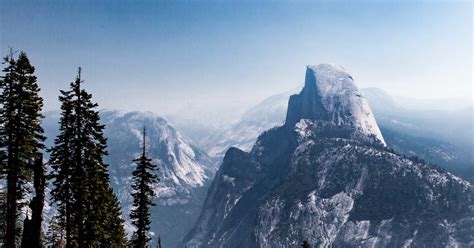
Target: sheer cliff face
x=326, y=176
x=329, y=94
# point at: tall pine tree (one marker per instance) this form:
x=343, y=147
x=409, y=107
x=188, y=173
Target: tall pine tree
x=86, y=203
x=144, y=178
x=62, y=167
x=21, y=135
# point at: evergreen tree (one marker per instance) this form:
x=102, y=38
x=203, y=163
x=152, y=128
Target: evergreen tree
x=143, y=180
x=21, y=135
x=86, y=203
x=62, y=167
x=115, y=223
x=32, y=228
x=90, y=171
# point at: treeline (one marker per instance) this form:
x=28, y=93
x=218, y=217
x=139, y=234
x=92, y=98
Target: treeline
x=88, y=212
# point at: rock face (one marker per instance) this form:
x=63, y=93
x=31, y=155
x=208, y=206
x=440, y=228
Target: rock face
x=326, y=176
x=330, y=94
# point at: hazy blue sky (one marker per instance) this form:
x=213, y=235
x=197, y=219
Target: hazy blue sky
x=188, y=55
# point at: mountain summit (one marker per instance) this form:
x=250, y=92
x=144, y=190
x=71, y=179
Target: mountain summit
x=329, y=94
x=326, y=177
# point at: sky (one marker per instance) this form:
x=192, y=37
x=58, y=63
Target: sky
x=221, y=57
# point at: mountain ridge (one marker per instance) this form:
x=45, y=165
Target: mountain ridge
x=332, y=185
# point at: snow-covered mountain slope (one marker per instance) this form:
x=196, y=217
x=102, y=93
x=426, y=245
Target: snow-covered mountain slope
x=184, y=171
x=242, y=134
x=324, y=181
x=330, y=94
x=182, y=165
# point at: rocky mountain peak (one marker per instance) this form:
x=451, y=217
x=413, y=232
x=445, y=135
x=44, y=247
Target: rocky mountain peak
x=317, y=179
x=330, y=94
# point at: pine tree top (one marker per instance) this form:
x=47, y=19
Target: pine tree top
x=144, y=179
